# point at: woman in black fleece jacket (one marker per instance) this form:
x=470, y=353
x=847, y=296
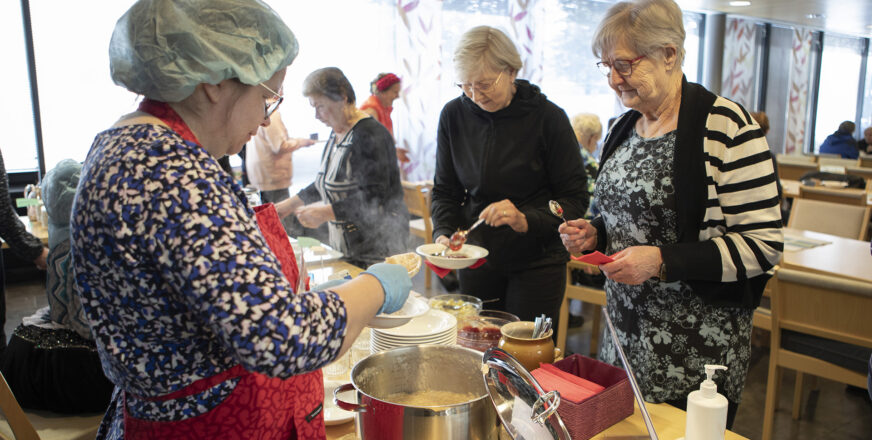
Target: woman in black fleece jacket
x=504, y=151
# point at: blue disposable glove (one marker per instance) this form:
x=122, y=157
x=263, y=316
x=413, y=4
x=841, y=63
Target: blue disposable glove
x=396, y=283
x=330, y=284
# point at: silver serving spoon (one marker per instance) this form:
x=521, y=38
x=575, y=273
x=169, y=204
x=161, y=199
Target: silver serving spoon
x=556, y=209
x=458, y=238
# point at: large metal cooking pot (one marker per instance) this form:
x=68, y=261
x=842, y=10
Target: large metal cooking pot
x=420, y=369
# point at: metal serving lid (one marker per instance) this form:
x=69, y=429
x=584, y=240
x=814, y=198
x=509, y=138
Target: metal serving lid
x=526, y=410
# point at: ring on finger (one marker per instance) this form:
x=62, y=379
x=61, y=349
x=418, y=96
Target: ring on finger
x=504, y=213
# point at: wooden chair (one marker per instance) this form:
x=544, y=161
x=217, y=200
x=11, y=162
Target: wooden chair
x=417, y=197
x=837, y=163
x=822, y=306
x=794, y=170
x=847, y=196
x=42, y=425
x=830, y=218
x=586, y=294
x=865, y=160
x=865, y=173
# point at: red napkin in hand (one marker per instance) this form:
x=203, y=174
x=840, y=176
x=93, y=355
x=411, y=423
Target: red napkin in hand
x=595, y=258
x=441, y=271
x=570, y=387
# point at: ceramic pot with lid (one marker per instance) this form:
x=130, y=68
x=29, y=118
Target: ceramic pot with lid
x=517, y=340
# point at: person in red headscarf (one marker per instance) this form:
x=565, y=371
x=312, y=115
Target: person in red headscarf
x=385, y=89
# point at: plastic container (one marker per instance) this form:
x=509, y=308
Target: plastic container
x=706, y=410
x=456, y=304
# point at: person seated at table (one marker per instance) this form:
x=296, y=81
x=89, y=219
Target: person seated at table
x=865, y=145
x=195, y=322
x=358, y=190
x=688, y=211
x=51, y=362
x=841, y=142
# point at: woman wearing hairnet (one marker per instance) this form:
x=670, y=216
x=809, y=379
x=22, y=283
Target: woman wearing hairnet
x=195, y=324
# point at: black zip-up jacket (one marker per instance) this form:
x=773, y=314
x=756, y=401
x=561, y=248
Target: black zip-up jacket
x=527, y=153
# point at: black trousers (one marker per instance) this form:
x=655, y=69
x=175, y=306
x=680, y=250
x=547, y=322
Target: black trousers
x=526, y=293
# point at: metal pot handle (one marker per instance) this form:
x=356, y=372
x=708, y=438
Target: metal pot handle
x=345, y=405
x=540, y=413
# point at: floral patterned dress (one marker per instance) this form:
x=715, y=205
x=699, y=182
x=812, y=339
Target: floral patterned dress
x=667, y=332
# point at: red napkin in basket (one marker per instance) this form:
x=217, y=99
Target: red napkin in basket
x=441, y=271
x=571, y=387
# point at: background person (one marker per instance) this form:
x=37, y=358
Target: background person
x=358, y=190
x=51, y=362
x=503, y=151
x=22, y=243
x=269, y=164
x=385, y=89
x=195, y=322
x=865, y=144
x=688, y=210
x=841, y=142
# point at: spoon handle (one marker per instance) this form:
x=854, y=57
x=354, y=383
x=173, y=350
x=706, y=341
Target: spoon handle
x=474, y=225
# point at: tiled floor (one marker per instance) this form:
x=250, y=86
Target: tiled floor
x=830, y=412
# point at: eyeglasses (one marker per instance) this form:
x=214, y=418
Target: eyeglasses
x=623, y=67
x=270, y=105
x=482, y=87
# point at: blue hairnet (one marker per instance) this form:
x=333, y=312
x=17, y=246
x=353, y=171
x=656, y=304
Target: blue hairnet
x=163, y=48
x=58, y=191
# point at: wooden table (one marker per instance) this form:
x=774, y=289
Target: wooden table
x=668, y=420
x=842, y=257
x=34, y=228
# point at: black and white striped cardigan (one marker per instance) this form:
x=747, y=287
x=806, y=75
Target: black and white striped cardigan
x=729, y=220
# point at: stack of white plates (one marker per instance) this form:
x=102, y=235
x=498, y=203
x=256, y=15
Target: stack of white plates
x=434, y=327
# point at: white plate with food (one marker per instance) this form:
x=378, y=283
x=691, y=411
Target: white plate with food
x=439, y=255
x=415, y=306
x=431, y=323
x=334, y=415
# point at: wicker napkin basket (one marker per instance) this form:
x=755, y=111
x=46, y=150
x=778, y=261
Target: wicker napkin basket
x=613, y=404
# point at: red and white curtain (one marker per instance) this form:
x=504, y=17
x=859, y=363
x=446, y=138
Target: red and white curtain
x=800, y=78
x=740, y=53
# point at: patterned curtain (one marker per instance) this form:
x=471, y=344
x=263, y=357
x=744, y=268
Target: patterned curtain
x=419, y=38
x=739, y=61
x=800, y=77
x=523, y=16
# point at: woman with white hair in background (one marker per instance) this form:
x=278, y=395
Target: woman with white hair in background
x=504, y=151
x=688, y=211
x=195, y=322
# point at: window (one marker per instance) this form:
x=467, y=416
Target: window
x=16, y=111
x=839, y=85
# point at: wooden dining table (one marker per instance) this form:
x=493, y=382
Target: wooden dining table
x=669, y=422
x=839, y=256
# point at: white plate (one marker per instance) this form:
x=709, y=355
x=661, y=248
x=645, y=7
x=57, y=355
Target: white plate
x=334, y=415
x=450, y=339
x=415, y=306
x=381, y=337
x=473, y=253
x=431, y=323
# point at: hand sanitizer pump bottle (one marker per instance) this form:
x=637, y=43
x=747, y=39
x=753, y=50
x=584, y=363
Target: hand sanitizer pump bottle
x=706, y=410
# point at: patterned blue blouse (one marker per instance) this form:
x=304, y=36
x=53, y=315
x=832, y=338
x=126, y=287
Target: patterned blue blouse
x=177, y=280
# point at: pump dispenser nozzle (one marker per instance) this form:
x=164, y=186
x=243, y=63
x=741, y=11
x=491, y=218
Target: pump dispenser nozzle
x=708, y=387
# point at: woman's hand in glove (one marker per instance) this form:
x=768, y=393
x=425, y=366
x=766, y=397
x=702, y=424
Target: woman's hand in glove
x=395, y=282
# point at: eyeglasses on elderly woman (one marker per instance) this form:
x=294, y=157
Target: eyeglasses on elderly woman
x=271, y=104
x=481, y=87
x=623, y=67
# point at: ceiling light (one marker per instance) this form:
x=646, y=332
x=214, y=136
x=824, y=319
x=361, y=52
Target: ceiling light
x=740, y=3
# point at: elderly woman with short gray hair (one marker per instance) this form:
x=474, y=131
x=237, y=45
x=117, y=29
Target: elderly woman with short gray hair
x=688, y=211
x=358, y=190
x=504, y=151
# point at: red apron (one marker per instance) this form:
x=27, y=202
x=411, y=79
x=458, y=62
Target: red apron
x=260, y=407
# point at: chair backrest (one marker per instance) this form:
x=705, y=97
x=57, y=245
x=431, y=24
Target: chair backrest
x=865, y=160
x=417, y=200
x=795, y=158
x=865, y=173
x=794, y=170
x=837, y=162
x=824, y=306
x=21, y=427
x=848, y=196
x=829, y=218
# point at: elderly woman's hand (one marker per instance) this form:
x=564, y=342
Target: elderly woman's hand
x=634, y=265
x=504, y=212
x=313, y=215
x=443, y=240
x=577, y=235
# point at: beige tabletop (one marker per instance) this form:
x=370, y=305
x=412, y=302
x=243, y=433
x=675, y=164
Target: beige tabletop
x=843, y=257
x=668, y=420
